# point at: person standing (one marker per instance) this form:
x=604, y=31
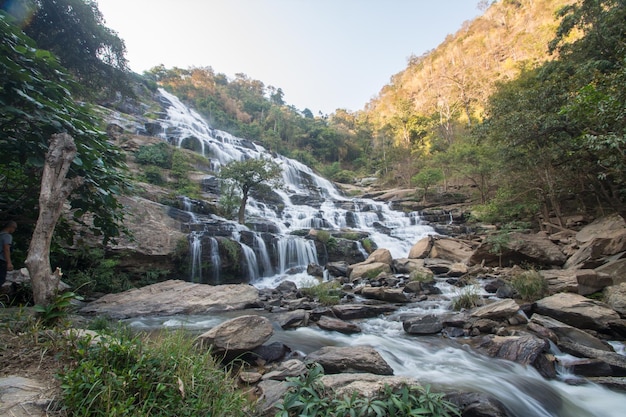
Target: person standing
x=6, y=240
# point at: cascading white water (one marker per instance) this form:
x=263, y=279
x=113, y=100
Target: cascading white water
x=196, y=257
x=216, y=260
x=328, y=208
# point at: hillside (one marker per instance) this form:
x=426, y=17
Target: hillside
x=454, y=81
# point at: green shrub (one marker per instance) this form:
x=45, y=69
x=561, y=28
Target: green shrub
x=57, y=310
x=344, y=176
x=530, y=285
x=306, y=398
x=327, y=293
x=159, y=154
x=153, y=175
x=467, y=298
x=368, y=245
x=323, y=236
x=165, y=375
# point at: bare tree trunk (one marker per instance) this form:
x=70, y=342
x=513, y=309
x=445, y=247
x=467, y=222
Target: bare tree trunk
x=55, y=189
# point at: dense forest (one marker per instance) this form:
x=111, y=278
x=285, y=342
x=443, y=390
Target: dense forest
x=523, y=107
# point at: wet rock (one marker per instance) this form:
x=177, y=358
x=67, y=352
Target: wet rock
x=525, y=349
x=361, y=311
x=390, y=295
x=329, y=323
x=293, y=319
x=475, y=404
x=241, y=334
x=174, y=297
x=566, y=333
x=337, y=269
x=336, y=359
x=429, y=324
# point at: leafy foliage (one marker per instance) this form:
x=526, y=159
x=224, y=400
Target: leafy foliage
x=74, y=31
x=125, y=375
x=307, y=398
x=249, y=175
x=58, y=308
x=158, y=154
x=35, y=103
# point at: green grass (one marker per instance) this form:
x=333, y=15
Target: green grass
x=530, y=285
x=165, y=375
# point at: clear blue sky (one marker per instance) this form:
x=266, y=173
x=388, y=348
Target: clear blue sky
x=324, y=54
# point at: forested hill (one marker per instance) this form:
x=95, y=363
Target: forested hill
x=452, y=83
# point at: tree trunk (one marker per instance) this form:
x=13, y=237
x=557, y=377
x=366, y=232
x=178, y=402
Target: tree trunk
x=55, y=189
x=241, y=215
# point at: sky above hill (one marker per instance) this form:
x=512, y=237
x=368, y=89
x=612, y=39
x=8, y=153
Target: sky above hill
x=324, y=54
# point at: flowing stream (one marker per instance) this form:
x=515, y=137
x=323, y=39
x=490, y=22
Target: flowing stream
x=442, y=362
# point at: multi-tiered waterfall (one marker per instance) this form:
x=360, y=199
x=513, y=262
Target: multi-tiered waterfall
x=270, y=252
x=270, y=246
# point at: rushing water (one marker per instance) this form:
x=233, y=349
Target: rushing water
x=444, y=363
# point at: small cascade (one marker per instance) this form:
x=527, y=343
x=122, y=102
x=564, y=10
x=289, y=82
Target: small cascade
x=250, y=262
x=260, y=248
x=295, y=252
x=216, y=260
x=196, y=257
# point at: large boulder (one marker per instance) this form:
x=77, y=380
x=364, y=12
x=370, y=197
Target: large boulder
x=525, y=349
x=368, y=270
x=578, y=311
x=567, y=334
x=581, y=281
x=341, y=326
x=450, y=249
x=241, y=334
x=615, y=267
x=498, y=310
x=367, y=385
x=615, y=297
x=380, y=256
x=156, y=231
x=390, y=295
x=427, y=324
x=338, y=359
x=360, y=311
x=174, y=297
x=598, y=240
x=535, y=249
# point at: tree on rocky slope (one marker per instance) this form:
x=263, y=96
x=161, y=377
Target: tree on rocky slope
x=249, y=175
x=35, y=107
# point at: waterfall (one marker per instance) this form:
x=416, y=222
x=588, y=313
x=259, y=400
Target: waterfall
x=307, y=200
x=294, y=252
x=260, y=248
x=196, y=257
x=216, y=261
